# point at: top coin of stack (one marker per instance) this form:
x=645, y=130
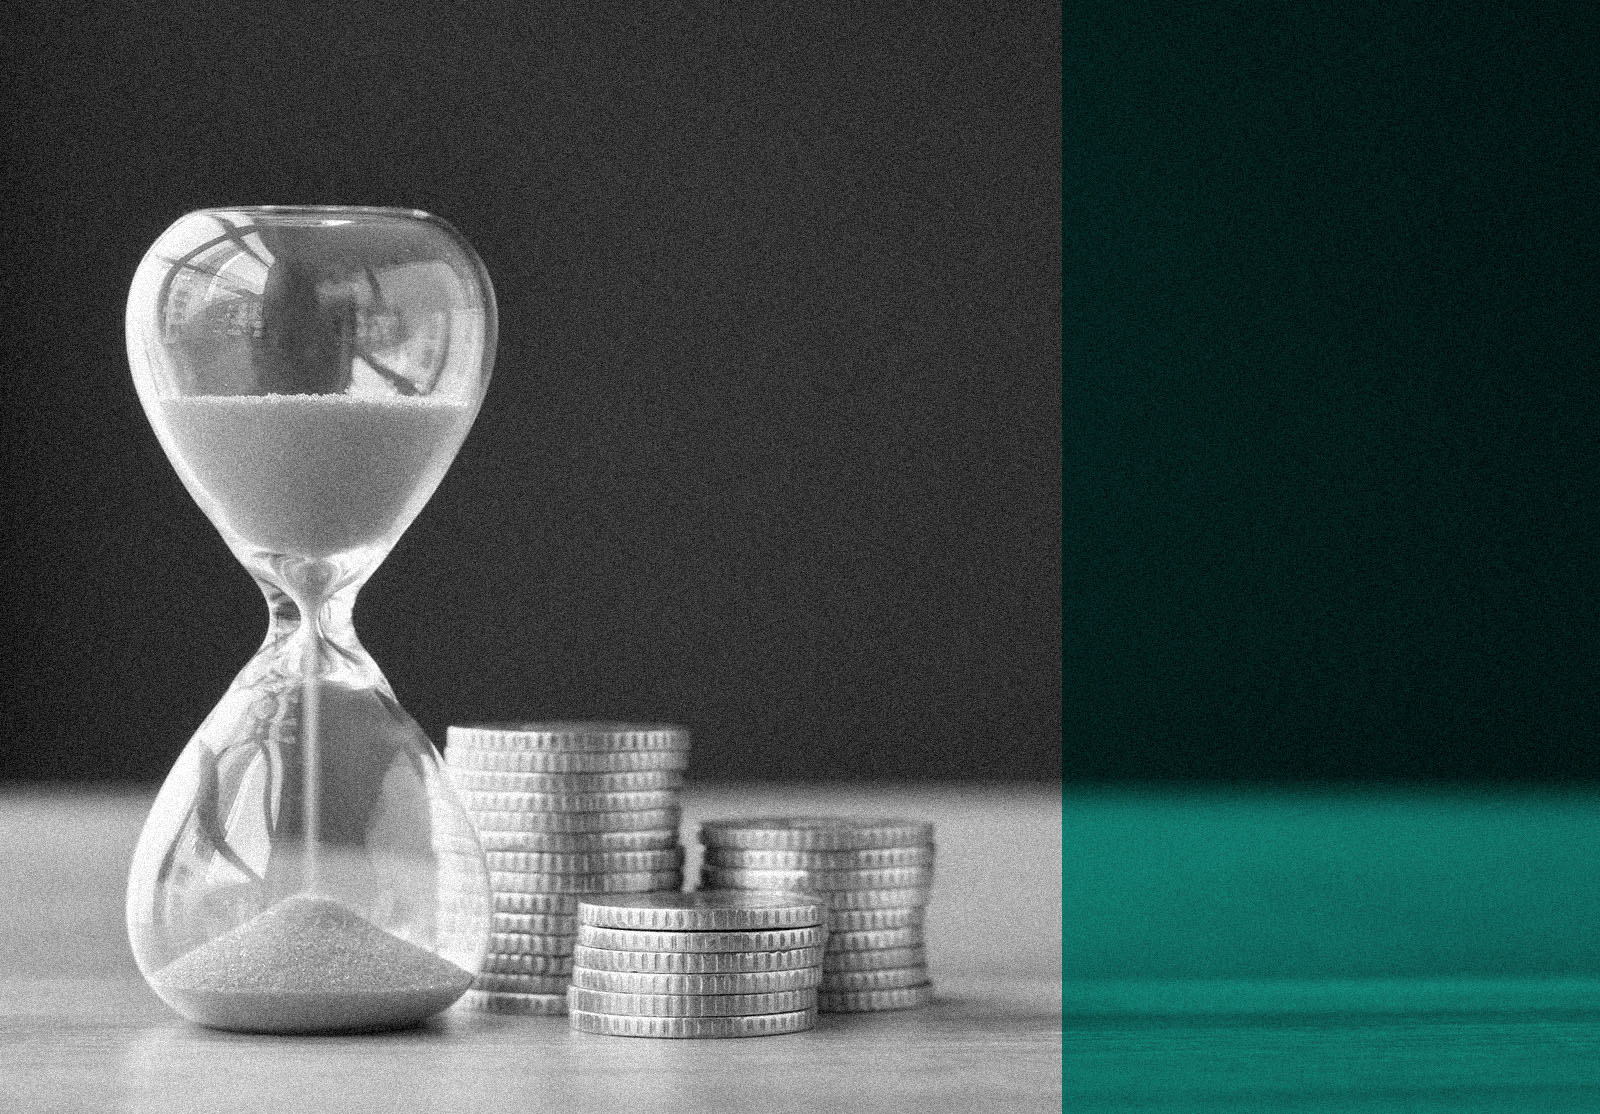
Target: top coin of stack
x=563, y=810
x=875, y=877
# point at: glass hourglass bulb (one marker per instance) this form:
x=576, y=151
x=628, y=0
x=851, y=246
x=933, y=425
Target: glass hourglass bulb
x=311, y=373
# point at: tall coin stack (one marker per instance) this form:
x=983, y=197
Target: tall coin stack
x=697, y=965
x=875, y=877
x=562, y=810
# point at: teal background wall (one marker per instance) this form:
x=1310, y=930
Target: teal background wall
x=1332, y=489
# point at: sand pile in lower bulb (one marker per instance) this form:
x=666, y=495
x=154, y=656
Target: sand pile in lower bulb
x=309, y=964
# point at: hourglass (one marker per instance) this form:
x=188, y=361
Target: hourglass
x=310, y=373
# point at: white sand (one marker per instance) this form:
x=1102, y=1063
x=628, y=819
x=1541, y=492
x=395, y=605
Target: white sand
x=309, y=964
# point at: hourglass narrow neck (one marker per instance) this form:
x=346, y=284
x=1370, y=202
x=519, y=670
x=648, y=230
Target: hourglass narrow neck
x=332, y=617
x=310, y=635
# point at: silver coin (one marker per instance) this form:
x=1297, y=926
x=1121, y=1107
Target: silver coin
x=551, y=1005
x=867, y=920
x=639, y=940
x=543, y=762
x=815, y=833
x=695, y=963
x=707, y=911
x=568, y=736
x=867, y=858
x=840, y=900
x=488, y=820
x=643, y=839
x=647, y=982
x=874, y=960
x=616, y=882
x=874, y=1001
x=757, y=1025
x=481, y=801
x=585, y=862
x=532, y=967
x=873, y=939
x=886, y=979
x=498, y=781
x=536, y=903
x=690, y=1005
x=530, y=943
x=836, y=900
x=513, y=963
x=818, y=881
x=545, y=904
x=523, y=984
x=552, y=924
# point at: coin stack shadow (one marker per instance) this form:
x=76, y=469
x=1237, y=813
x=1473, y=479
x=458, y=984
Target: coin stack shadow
x=562, y=810
x=874, y=875
x=692, y=965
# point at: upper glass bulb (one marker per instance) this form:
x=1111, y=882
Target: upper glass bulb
x=372, y=329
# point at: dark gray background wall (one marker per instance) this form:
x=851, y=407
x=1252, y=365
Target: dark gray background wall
x=773, y=445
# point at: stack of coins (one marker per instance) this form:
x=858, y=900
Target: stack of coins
x=563, y=809
x=697, y=965
x=875, y=877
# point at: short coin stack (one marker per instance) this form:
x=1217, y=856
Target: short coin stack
x=697, y=965
x=563, y=810
x=875, y=877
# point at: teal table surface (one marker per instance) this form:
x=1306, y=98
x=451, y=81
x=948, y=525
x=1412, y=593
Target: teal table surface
x=1113, y=950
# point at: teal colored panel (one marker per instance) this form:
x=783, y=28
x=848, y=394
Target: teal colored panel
x=1330, y=884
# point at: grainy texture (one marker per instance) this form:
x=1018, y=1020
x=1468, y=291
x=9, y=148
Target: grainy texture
x=1168, y=1005
x=79, y=1031
x=774, y=440
x=314, y=475
x=692, y=1028
x=307, y=965
x=307, y=943
x=773, y=940
x=702, y=911
x=571, y=736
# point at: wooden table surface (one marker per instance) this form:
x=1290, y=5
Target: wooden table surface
x=80, y=1031
x=1224, y=952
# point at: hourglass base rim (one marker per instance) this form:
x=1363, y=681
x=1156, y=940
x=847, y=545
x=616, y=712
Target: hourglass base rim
x=311, y=1011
